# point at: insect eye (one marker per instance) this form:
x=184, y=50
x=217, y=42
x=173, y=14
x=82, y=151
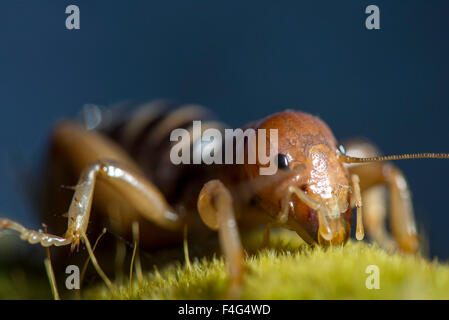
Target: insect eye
x=342, y=149
x=282, y=161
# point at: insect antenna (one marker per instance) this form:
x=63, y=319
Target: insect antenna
x=51, y=278
x=186, y=247
x=135, y=229
x=349, y=159
x=49, y=270
x=86, y=263
x=95, y=263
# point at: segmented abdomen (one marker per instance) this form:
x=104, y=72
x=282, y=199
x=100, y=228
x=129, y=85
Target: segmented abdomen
x=145, y=134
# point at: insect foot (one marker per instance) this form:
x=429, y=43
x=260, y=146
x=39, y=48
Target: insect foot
x=33, y=237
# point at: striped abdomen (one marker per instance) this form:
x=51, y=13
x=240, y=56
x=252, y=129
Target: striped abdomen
x=145, y=134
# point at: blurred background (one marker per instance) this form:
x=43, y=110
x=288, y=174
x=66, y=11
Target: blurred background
x=242, y=59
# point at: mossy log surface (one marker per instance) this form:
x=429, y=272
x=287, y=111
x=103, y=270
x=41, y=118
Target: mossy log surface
x=289, y=269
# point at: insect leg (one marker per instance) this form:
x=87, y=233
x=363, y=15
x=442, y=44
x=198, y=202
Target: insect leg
x=32, y=236
x=215, y=207
x=402, y=219
x=143, y=196
x=375, y=179
x=374, y=215
x=119, y=200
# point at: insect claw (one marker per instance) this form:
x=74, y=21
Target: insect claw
x=75, y=243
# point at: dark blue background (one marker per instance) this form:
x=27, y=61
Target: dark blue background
x=244, y=60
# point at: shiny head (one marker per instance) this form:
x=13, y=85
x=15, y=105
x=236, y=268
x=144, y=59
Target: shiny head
x=310, y=192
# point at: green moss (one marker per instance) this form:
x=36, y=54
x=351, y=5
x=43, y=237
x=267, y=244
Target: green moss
x=20, y=279
x=16, y=284
x=289, y=269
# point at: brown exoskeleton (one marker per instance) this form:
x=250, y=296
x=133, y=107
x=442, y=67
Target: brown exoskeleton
x=313, y=193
